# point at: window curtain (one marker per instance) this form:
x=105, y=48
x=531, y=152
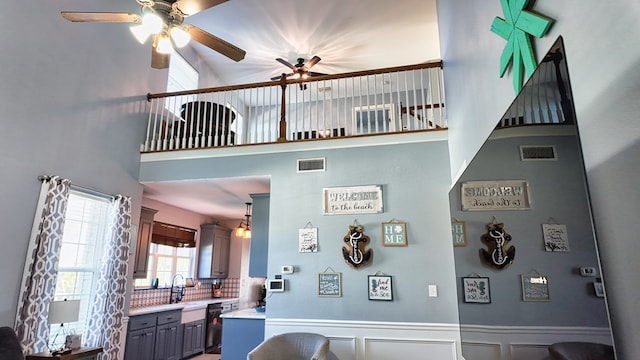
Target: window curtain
x=107, y=309
x=41, y=266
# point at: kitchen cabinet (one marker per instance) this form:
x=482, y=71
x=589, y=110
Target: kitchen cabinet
x=214, y=252
x=240, y=336
x=193, y=338
x=154, y=337
x=259, y=247
x=145, y=230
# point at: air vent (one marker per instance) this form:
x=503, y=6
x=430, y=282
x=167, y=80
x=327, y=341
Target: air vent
x=311, y=165
x=538, y=153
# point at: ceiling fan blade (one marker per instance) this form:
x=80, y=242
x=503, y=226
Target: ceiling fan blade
x=190, y=7
x=231, y=51
x=280, y=76
x=286, y=63
x=314, y=60
x=105, y=17
x=158, y=60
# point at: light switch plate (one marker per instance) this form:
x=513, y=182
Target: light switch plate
x=433, y=291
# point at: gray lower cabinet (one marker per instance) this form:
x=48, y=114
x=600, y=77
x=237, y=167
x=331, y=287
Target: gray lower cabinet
x=155, y=337
x=193, y=338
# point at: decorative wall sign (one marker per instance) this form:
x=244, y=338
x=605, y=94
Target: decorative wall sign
x=555, y=237
x=476, y=290
x=459, y=233
x=516, y=27
x=352, y=200
x=308, y=239
x=495, y=195
x=380, y=287
x=330, y=284
x=394, y=233
x=535, y=287
x=499, y=254
x=355, y=254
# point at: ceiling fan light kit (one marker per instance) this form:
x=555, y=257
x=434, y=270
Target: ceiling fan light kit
x=163, y=20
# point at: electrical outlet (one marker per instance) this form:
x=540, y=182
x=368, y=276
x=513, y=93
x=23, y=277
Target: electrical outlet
x=587, y=271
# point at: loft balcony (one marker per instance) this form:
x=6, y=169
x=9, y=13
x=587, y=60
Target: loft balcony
x=398, y=100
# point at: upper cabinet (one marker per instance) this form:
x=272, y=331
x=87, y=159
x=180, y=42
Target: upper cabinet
x=145, y=231
x=259, y=236
x=214, y=252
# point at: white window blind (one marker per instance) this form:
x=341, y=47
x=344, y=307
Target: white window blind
x=182, y=76
x=85, y=230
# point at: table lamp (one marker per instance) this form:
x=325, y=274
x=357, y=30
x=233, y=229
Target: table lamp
x=60, y=312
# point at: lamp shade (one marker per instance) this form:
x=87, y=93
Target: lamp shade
x=66, y=311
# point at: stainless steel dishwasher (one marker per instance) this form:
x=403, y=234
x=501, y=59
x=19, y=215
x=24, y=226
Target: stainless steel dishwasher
x=213, y=339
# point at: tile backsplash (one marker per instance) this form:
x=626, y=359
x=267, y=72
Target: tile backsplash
x=151, y=297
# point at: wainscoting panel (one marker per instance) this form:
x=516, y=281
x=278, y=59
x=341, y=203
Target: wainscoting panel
x=522, y=343
x=481, y=351
x=369, y=340
x=384, y=349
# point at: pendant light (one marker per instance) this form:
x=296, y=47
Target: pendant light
x=244, y=228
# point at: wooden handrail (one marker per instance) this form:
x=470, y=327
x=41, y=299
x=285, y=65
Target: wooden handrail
x=427, y=65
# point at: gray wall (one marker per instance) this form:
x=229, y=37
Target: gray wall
x=415, y=184
x=603, y=61
x=557, y=194
x=77, y=114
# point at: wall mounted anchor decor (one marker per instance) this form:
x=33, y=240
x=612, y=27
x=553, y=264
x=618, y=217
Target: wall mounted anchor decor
x=517, y=27
x=355, y=254
x=496, y=239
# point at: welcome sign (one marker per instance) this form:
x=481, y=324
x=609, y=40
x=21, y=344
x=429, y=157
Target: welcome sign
x=495, y=195
x=352, y=200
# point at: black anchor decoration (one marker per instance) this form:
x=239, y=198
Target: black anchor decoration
x=496, y=239
x=355, y=255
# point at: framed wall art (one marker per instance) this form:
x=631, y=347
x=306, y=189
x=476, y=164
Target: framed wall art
x=535, y=287
x=459, y=233
x=394, y=233
x=476, y=290
x=330, y=284
x=380, y=287
x=555, y=237
x=308, y=239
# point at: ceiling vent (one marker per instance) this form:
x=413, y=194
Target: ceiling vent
x=538, y=153
x=311, y=165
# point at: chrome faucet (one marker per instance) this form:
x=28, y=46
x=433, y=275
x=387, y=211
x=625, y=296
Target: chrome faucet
x=177, y=289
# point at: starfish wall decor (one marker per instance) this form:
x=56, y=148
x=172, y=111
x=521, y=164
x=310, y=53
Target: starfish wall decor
x=517, y=27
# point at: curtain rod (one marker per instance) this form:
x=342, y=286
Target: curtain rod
x=85, y=190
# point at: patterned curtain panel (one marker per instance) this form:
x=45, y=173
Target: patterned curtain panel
x=107, y=310
x=41, y=266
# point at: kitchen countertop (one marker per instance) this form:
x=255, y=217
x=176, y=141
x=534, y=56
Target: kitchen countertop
x=250, y=313
x=186, y=305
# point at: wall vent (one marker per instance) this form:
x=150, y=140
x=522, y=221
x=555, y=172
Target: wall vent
x=538, y=153
x=311, y=165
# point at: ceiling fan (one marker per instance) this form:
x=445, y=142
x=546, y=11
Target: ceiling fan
x=300, y=69
x=163, y=21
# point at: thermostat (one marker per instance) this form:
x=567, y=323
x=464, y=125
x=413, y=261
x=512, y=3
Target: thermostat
x=275, y=285
x=287, y=269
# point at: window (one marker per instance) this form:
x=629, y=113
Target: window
x=182, y=76
x=374, y=119
x=165, y=262
x=85, y=229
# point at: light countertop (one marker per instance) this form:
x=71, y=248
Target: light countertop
x=250, y=313
x=186, y=305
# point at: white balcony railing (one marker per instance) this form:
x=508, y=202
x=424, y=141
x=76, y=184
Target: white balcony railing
x=392, y=100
